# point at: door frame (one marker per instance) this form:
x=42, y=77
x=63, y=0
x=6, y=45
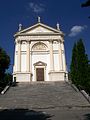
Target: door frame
x=43, y=73
x=40, y=65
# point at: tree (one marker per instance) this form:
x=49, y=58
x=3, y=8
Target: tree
x=86, y=4
x=82, y=61
x=73, y=66
x=87, y=87
x=8, y=78
x=79, y=65
x=4, y=63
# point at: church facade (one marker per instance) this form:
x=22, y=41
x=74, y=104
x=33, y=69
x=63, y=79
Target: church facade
x=39, y=54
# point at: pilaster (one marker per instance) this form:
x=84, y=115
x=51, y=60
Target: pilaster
x=60, y=56
x=51, y=56
x=63, y=56
x=19, y=57
x=28, y=57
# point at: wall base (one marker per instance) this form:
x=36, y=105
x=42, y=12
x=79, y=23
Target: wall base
x=53, y=76
x=57, y=76
x=22, y=77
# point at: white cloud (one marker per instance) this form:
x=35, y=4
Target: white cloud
x=75, y=30
x=37, y=8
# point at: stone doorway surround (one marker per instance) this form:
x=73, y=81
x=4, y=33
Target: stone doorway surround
x=41, y=67
x=39, y=74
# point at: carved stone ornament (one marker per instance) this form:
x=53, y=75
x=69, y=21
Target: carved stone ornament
x=39, y=46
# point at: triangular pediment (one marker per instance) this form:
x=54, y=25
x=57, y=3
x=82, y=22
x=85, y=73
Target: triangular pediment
x=39, y=28
x=40, y=63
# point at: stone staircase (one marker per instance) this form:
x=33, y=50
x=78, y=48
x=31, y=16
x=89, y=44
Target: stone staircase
x=42, y=95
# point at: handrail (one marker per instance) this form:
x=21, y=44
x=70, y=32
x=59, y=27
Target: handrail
x=5, y=88
x=85, y=95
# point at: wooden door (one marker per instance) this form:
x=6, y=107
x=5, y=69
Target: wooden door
x=40, y=74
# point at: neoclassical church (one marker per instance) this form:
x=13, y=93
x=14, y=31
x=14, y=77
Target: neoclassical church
x=39, y=54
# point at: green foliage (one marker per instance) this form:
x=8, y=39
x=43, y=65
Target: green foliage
x=86, y=4
x=87, y=88
x=4, y=64
x=82, y=63
x=6, y=80
x=73, y=67
x=80, y=68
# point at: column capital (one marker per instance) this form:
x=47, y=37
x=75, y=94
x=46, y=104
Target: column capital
x=59, y=41
x=28, y=42
x=19, y=41
x=50, y=41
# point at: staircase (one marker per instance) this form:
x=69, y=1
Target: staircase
x=42, y=95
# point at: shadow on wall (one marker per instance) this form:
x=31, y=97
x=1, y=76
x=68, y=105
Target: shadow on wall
x=23, y=114
x=87, y=116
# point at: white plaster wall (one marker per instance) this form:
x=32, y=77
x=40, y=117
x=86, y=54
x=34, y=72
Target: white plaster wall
x=55, y=45
x=62, y=47
x=16, y=47
x=23, y=62
x=56, y=56
x=56, y=76
x=56, y=61
x=23, y=46
x=36, y=57
x=63, y=57
x=15, y=64
x=15, y=57
x=22, y=77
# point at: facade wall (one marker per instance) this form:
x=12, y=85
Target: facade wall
x=36, y=57
x=55, y=45
x=15, y=58
x=56, y=61
x=43, y=56
x=50, y=52
x=23, y=62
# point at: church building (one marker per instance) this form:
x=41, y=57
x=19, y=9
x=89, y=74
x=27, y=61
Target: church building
x=39, y=54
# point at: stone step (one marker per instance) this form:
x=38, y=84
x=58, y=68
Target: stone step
x=42, y=95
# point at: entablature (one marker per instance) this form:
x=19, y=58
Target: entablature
x=40, y=38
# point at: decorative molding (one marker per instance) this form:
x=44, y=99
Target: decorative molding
x=39, y=37
x=39, y=46
x=40, y=63
x=39, y=25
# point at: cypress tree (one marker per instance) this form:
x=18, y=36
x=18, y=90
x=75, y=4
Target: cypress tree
x=82, y=61
x=79, y=65
x=73, y=66
x=4, y=64
x=87, y=87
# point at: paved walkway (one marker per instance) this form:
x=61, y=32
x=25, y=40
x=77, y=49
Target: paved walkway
x=56, y=101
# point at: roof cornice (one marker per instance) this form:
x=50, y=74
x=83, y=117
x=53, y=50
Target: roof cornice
x=39, y=24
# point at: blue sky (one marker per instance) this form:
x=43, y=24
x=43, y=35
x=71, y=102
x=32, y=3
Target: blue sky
x=72, y=18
